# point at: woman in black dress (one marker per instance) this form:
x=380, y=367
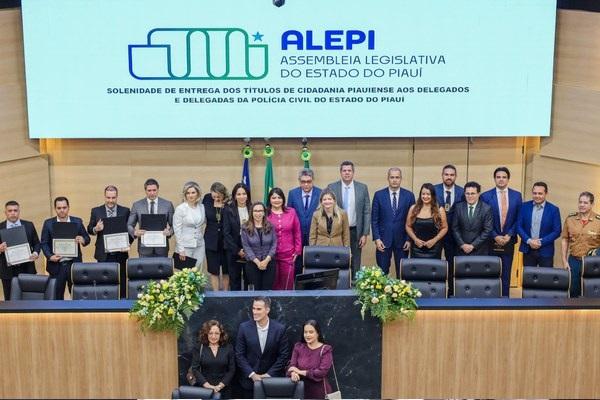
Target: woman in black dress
x=216, y=258
x=236, y=214
x=426, y=225
x=213, y=365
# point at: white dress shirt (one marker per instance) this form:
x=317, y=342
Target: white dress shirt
x=351, y=211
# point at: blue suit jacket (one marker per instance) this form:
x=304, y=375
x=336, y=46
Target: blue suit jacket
x=272, y=360
x=550, y=228
x=296, y=201
x=514, y=206
x=47, y=236
x=387, y=227
x=440, y=193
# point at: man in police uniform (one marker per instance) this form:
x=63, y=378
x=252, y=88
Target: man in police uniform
x=581, y=234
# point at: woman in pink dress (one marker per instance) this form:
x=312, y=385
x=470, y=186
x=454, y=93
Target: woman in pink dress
x=311, y=361
x=289, y=239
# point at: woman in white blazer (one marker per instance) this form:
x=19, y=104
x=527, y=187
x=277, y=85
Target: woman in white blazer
x=189, y=222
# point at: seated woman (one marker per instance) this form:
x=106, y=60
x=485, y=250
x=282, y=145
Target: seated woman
x=213, y=365
x=260, y=244
x=426, y=225
x=329, y=225
x=311, y=361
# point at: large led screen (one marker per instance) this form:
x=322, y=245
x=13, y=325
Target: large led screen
x=310, y=68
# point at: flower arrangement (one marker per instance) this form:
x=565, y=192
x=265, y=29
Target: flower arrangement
x=387, y=298
x=166, y=305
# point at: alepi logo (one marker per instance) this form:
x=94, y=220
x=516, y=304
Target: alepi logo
x=198, y=54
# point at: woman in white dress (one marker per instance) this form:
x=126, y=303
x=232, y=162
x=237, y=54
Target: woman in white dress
x=189, y=222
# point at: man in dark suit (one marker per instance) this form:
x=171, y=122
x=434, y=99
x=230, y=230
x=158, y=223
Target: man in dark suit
x=505, y=204
x=60, y=267
x=109, y=209
x=12, y=211
x=538, y=226
x=472, y=224
x=151, y=204
x=388, y=220
x=305, y=200
x=262, y=348
x=353, y=197
x=448, y=194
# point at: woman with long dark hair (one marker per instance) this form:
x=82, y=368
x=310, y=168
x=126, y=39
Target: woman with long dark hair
x=260, y=244
x=426, y=225
x=235, y=215
x=311, y=361
x=216, y=257
x=289, y=239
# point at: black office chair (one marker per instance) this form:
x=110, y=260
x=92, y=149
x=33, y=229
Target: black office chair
x=546, y=282
x=477, y=276
x=195, y=392
x=33, y=287
x=318, y=258
x=95, y=281
x=428, y=275
x=142, y=270
x=278, y=388
x=590, y=276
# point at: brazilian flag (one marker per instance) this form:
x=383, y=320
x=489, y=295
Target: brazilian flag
x=269, y=176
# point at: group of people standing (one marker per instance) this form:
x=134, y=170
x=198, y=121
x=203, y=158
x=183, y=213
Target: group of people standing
x=261, y=351
x=249, y=244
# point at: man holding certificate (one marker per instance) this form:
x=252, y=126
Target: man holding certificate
x=61, y=240
x=19, y=246
x=155, y=218
x=109, y=223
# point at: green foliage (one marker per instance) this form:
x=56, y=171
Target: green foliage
x=166, y=305
x=386, y=298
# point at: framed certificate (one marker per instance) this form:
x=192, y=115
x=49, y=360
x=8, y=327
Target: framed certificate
x=116, y=242
x=65, y=247
x=18, y=254
x=154, y=239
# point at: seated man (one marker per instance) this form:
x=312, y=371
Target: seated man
x=257, y=357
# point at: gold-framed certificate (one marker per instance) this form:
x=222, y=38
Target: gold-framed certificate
x=18, y=254
x=65, y=247
x=115, y=242
x=154, y=239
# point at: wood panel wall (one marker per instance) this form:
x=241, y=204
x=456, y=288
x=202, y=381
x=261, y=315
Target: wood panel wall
x=84, y=355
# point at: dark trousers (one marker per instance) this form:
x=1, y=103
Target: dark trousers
x=575, y=264
x=356, y=252
x=384, y=258
x=507, y=260
x=449, y=254
x=63, y=278
x=120, y=258
x=153, y=251
x=262, y=280
x=236, y=272
x=6, y=285
x=533, y=259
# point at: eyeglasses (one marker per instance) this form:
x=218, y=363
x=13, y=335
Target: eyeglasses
x=258, y=211
x=302, y=182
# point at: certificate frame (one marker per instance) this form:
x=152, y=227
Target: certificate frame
x=18, y=254
x=116, y=242
x=154, y=239
x=65, y=247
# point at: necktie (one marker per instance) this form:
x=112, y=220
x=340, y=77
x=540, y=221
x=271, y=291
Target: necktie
x=345, y=197
x=394, y=202
x=110, y=212
x=448, y=201
x=152, y=207
x=503, y=208
x=470, y=211
x=306, y=202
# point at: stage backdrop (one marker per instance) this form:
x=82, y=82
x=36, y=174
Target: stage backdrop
x=357, y=68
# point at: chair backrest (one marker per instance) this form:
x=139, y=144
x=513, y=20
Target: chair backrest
x=316, y=258
x=278, y=388
x=33, y=287
x=95, y=281
x=590, y=276
x=194, y=392
x=428, y=275
x=546, y=282
x=141, y=270
x=477, y=276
